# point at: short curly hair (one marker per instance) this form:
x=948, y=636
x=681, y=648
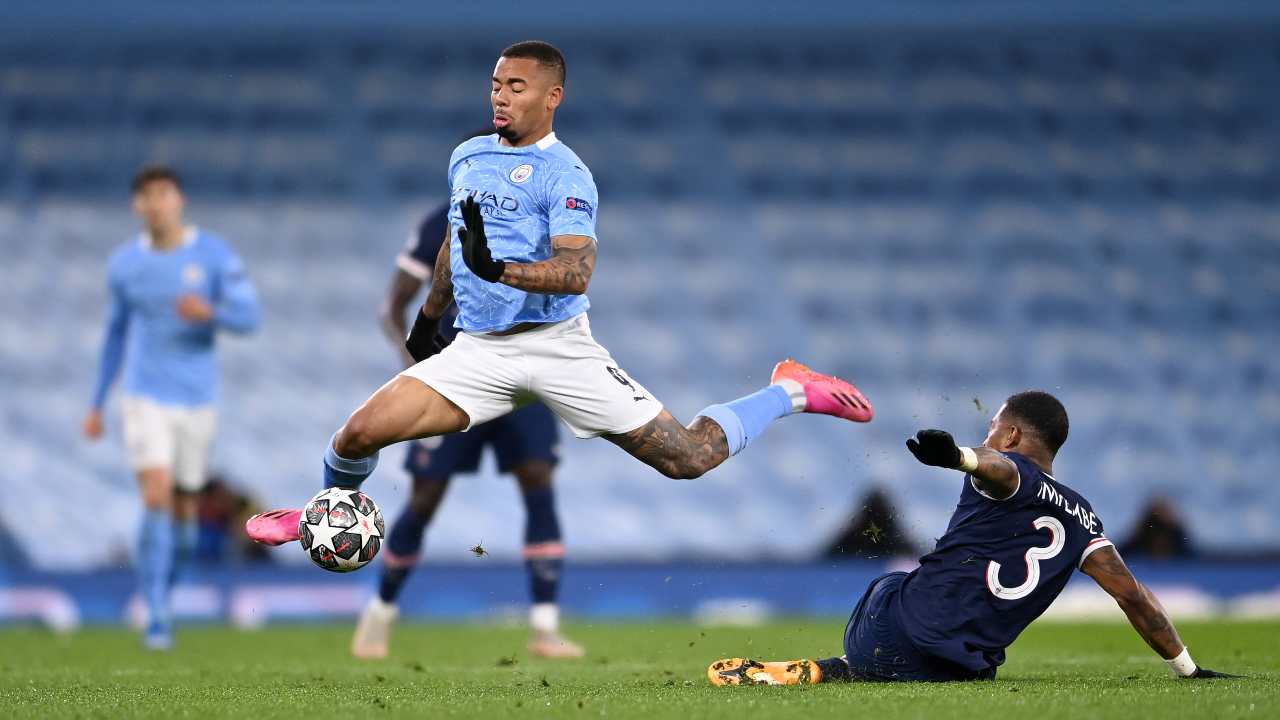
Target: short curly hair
x=545, y=53
x=1043, y=414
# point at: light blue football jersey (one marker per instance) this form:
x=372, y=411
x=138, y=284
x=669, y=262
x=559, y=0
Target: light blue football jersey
x=528, y=195
x=166, y=358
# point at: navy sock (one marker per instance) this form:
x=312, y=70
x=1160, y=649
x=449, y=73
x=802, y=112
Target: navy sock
x=834, y=669
x=346, y=472
x=543, y=550
x=392, y=582
x=404, y=545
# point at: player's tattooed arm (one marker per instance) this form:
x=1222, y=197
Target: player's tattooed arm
x=1139, y=604
x=440, y=297
x=567, y=272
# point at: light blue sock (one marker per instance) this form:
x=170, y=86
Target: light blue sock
x=155, y=564
x=344, y=472
x=744, y=419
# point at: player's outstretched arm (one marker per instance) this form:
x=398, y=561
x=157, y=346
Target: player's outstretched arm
x=567, y=272
x=1144, y=611
x=994, y=473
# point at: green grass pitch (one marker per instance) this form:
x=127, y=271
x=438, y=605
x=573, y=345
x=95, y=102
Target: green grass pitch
x=650, y=670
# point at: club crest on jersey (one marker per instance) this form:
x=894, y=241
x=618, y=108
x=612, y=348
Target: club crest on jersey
x=192, y=275
x=579, y=204
x=522, y=173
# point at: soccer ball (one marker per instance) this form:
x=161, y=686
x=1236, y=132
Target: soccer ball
x=341, y=529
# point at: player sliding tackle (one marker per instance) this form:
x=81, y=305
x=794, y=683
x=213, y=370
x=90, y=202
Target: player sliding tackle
x=1008, y=552
x=523, y=196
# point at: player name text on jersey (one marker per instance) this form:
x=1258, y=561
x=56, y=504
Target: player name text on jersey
x=1086, y=518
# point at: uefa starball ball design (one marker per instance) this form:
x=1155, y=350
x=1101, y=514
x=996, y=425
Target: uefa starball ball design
x=341, y=529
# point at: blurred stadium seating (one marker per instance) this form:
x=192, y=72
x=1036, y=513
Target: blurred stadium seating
x=942, y=217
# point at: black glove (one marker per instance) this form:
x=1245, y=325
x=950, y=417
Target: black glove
x=424, y=338
x=1208, y=674
x=475, y=246
x=935, y=447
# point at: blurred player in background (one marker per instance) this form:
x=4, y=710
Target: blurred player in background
x=525, y=445
x=172, y=289
x=522, y=195
x=1010, y=548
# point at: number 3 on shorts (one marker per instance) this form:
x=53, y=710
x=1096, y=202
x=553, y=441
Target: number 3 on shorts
x=1034, y=556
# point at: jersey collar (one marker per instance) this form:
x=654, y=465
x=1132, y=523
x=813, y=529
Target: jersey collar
x=188, y=237
x=547, y=141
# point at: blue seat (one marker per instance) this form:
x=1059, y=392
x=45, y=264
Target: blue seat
x=958, y=218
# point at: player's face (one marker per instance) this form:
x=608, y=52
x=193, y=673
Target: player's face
x=524, y=96
x=159, y=203
x=1001, y=434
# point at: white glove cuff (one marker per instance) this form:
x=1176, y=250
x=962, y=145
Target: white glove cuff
x=1183, y=665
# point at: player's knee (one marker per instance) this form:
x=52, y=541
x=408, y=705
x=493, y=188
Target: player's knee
x=421, y=506
x=185, y=505
x=534, y=475
x=681, y=470
x=690, y=472
x=157, y=489
x=157, y=501
x=356, y=439
x=426, y=496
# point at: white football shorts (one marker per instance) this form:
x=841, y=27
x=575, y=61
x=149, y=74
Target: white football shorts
x=560, y=364
x=173, y=437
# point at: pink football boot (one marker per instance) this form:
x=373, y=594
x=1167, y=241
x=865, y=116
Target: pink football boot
x=273, y=528
x=825, y=394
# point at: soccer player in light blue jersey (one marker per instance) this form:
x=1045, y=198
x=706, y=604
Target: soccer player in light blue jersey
x=525, y=444
x=518, y=263
x=172, y=289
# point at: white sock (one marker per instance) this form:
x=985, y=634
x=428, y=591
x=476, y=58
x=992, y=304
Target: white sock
x=544, y=617
x=796, y=392
x=384, y=609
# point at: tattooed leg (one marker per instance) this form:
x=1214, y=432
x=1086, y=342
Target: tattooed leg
x=676, y=451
